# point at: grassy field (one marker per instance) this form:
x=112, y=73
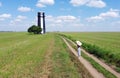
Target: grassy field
x=104, y=44
x=63, y=67
x=26, y=56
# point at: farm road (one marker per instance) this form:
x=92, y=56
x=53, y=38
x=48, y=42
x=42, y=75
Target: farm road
x=47, y=64
x=87, y=65
x=100, y=62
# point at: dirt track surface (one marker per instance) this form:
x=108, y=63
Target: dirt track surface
x=101, y=63
x=47, y=65
x=87, y=65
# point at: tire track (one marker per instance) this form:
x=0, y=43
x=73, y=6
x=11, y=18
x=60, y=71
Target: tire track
x=87, y=65
x=47, y=65
x=100, y=62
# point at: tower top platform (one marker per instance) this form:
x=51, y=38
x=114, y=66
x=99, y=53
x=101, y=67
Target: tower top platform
x=41, y=14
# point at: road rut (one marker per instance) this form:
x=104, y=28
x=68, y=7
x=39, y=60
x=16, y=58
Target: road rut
x=87, y=65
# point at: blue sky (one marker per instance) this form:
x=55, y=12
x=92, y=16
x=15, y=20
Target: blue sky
x=61, y=15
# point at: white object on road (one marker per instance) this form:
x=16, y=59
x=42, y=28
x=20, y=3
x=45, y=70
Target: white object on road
x=79, y=43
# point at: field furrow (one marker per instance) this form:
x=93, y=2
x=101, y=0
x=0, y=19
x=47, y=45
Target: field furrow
x=23, y=55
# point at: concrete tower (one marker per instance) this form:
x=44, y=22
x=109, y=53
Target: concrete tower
x=41, y=21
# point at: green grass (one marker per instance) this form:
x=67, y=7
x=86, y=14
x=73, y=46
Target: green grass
x=107, y=40
x=104, y=45
x=106, y=73
x=63, y=67
x=22, y=55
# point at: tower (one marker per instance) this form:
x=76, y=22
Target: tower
x=41, y=21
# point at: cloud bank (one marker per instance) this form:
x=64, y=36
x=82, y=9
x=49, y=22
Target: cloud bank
x=24, y=9
x=90, y=3
x=44, y=3
x=112, y=13
x=17, y=20
x=4, y=16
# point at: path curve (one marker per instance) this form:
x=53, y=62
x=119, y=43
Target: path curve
x=100, y=62
x=87, y=65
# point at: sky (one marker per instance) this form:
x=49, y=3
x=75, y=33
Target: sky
x=61, y=15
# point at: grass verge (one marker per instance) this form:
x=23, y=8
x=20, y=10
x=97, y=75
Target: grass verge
x=63, y=67
x=106, y=73
x=109, y=57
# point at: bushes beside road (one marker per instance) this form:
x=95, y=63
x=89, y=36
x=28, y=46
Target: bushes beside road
x=102, y=53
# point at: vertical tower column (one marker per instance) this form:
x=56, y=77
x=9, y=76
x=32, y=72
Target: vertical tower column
x=41, y=21
x=44, y=29
x=41, y=24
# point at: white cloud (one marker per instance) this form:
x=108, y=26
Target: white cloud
x=40, y=5
x=24, y=9
x=21, y=17
x=66, y=18
x=90, y=3
x=18, y=19
x=43, y=3
x=96, y=3
x=48, y=2
x=63, y=23
x=95, y=18
x=63, y=20
x=110, y=14
x=78, y=2
x=0, y=4
x=4, y=16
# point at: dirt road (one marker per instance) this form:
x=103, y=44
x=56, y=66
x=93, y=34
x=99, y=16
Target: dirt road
x=100, y=62
x=87, y=65
x=46, y=67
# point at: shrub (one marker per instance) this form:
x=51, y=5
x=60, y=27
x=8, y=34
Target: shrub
x=99, y=52
x=34, y=29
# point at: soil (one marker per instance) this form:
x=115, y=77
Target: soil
x=47, y=65
x=103, y=64
x=86, y=64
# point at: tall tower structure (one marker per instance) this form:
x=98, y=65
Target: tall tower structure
x=41, y=22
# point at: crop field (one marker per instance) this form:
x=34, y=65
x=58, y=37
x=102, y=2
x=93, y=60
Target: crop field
x=105, y=45
x=24, y=55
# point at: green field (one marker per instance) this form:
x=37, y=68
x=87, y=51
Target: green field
x=24, y=55
x=105, y=45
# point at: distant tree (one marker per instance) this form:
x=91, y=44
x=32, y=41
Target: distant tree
x=34, y=29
